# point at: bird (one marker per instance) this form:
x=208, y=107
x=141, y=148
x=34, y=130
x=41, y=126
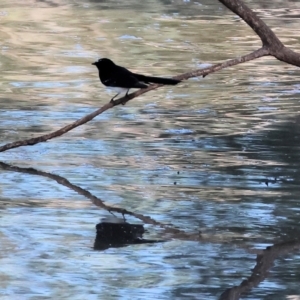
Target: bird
x=120, y=79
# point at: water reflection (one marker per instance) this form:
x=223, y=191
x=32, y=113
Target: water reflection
x=119, y=233
x=220, y=139
x=264, y=262
x=116, y=232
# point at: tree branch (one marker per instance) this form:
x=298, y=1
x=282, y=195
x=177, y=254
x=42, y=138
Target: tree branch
x=267, y=36
x=200, y=72
x=271, y=46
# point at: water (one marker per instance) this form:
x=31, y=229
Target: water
x=209, y=166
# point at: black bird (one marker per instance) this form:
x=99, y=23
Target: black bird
x=120, y=79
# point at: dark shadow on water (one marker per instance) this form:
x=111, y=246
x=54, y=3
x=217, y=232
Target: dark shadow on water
x=168, y=229
x=115, y=234
x=63, y=181
x=119, y=233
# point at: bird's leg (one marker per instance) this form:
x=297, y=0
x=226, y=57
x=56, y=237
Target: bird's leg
x=123, y=214
x=112, y=99
x=123, y=102
x=126, y=95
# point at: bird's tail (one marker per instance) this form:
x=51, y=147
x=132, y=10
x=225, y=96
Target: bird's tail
x=158, y=80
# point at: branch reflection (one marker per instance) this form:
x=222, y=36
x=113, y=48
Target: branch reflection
x=121, y=233
x=169, y=230
x=264, y=262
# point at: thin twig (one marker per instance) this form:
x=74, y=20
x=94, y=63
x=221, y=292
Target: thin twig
x=196, y=73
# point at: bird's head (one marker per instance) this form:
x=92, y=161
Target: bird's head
x=103, y=63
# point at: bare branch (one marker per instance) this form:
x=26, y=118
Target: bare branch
x=229, y=63
x=271, y=46
x=267, y=36
x=200, y=72
x=287, y=55
x=46, y=137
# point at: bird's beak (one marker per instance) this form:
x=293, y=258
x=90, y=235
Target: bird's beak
x=94, y=63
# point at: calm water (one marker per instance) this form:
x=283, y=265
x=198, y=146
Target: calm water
x=218, y=155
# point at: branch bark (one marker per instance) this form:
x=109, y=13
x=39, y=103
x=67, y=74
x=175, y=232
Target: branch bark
x=271, y=45
x=269, y=39
x=200, y=72
x=267, y=36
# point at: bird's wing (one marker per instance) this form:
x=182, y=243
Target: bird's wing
x=126, y=79
x=110, y=82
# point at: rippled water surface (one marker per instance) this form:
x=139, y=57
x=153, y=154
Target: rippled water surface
x=210, y=167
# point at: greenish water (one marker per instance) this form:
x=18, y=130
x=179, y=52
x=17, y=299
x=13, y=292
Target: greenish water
x=218, y=155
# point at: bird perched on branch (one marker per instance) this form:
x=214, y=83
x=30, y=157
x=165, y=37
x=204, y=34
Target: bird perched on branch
x=120, y=79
